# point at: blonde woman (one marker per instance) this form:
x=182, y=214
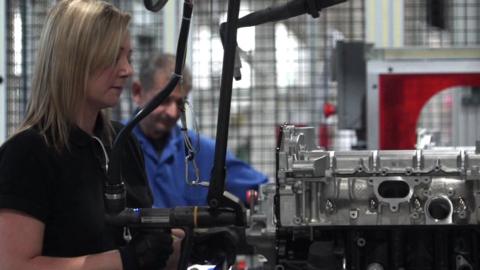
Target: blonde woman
x=53, y=170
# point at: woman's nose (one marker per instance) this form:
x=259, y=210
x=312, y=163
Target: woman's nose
x=126, y=69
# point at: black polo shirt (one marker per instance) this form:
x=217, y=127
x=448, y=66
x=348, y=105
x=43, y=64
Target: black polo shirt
x=65, y=190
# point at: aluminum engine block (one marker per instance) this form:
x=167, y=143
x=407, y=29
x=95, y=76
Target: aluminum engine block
x=396, y=187
x=397, y=209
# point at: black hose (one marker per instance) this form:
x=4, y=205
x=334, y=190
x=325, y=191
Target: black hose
x=115, y=189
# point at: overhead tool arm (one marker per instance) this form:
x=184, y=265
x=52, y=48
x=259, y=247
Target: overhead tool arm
x=223, y=214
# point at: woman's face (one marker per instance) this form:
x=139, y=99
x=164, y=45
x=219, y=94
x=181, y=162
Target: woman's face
x=105, y=86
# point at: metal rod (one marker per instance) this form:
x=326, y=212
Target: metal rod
x=217, y=183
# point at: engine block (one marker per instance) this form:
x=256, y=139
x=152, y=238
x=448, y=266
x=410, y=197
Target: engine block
x=396, y=187
x=372, y=209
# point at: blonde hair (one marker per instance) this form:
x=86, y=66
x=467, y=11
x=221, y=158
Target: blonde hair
x=79, y=37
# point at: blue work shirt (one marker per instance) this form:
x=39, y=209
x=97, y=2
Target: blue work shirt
x=166, y=171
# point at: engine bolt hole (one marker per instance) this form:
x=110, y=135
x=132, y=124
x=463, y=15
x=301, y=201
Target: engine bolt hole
x=361, y=242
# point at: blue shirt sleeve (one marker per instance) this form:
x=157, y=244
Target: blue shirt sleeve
x=167, y=171
x=240, y=176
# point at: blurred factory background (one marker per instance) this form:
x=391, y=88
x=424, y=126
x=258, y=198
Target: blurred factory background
x=367, y=74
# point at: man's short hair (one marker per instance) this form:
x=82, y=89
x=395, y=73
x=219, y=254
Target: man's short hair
x=165, y=63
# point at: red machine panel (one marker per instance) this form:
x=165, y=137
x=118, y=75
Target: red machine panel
x=402, y=97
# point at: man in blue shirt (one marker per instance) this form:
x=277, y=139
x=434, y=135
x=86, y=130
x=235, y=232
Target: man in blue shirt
x=164, y=149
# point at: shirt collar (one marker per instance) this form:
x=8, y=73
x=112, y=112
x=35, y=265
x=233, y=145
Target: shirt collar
x=81, y=138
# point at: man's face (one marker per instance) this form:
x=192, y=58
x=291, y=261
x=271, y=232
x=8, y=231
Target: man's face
x=161, y=120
